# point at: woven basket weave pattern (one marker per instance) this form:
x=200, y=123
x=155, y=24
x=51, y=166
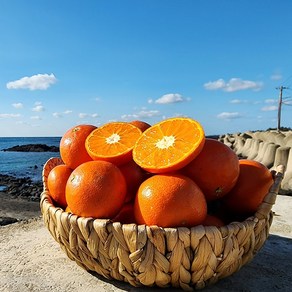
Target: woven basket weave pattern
x=149, y=255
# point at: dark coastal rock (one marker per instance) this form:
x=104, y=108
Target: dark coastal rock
x=216, y=137
x=33, y=148
x=7, y=220
x=21, y=187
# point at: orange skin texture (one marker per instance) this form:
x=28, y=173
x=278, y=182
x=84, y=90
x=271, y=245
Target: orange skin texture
x=68, y=210
x=96, y=189
x=72, y=145
x=215, y=169
x=56, y=182
x=141, y=125
x=252, y=186
x=134, y=176
x=170, y=200
x=213, y=220
x=126, y=214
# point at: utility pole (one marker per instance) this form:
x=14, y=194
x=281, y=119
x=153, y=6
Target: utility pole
x=281, y=88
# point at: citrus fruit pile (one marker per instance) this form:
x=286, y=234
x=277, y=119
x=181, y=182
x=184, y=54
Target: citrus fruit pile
x=168, y=174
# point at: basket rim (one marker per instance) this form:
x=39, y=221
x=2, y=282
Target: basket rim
x=263, y=211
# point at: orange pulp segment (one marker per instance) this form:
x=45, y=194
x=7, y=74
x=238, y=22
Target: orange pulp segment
x=113, y=142
x=169, y=145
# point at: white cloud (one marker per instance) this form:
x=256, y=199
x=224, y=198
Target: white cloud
x=245, y=101
x=229, y=115
x=143, y=114
x=238, y=101
x=288, y=102
x=271, y=100
x=35, y=82
x=57, y=115
x=215, y=85
x=5, y=116
x=21, y=123
x=148, y=113
x=269, y=108
x=17, y=105
x=35, y=118
x=38, y=107
x=168, y=98
x=60, y=115
x=276, y=76
x=84, y=115
x=234, y=84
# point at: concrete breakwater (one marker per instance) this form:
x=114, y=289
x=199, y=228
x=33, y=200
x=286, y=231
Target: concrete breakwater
x=271, y=148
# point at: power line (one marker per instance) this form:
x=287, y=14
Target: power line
x=286, y=80
x=281, y=88
x=287, y=100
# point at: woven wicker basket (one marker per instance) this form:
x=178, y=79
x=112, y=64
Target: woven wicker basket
x=189, y=258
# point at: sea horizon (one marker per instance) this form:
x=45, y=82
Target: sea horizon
x=25, y=164
x=53, y=136
x=29, y=164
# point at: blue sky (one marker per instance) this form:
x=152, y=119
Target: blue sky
x=64, y=63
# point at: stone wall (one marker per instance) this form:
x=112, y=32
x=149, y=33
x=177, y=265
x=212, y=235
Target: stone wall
x=271, y=148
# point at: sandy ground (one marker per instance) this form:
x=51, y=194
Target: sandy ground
x=30, y=259
x=18, y=208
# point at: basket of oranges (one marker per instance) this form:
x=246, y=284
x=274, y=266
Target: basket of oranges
x=157, y=205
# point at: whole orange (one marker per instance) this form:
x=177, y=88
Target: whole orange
x=213, y=220
x=126, y=214
x=134, y=176
x=56, y=182
x=72, y=145
x=170, y=200
x=68, y=210
x=253, y=184
x=141, y=125
x=215, y=169
x=96, y=189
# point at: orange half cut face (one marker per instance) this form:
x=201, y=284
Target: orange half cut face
x=169, y=145
x=113, y=142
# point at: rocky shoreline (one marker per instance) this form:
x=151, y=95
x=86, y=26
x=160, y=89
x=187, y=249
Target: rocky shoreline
x=19, y=199
x=20, y=196
x=33, y=148
x=23, y=188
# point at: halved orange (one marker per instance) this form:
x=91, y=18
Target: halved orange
x=113, y=142
x=169, y=145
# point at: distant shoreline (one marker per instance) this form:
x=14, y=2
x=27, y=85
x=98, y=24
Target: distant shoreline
x=32, y=148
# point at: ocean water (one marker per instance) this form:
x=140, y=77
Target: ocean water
x=25, y=164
